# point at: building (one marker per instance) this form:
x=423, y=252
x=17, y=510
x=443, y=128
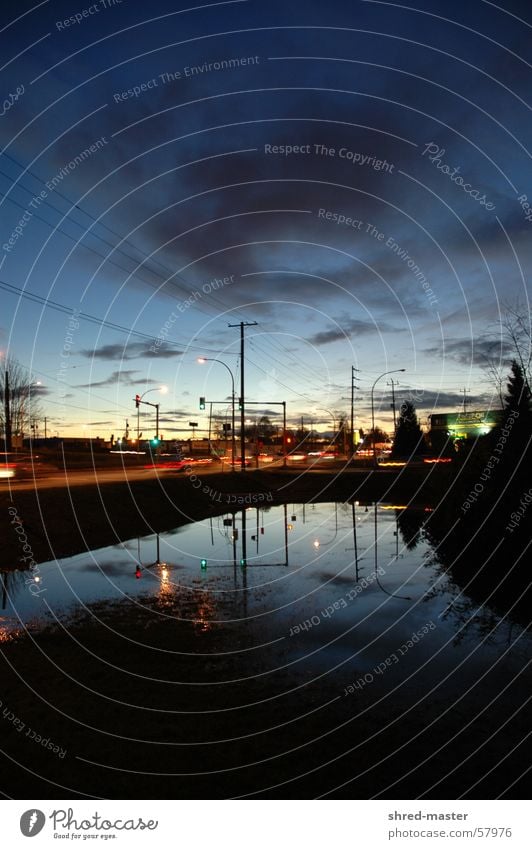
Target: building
x=465, y=425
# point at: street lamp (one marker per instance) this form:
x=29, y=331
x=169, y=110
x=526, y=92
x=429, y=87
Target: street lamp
x=138, y=400
x=202, y=360
x=333, y=420
x=393, y=371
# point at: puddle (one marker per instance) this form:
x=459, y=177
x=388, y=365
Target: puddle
x=352, y=587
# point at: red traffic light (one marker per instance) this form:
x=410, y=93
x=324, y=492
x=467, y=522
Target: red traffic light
x=137, y=400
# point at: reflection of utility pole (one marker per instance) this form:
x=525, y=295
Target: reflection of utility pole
x=242, y=324
x=285, y=534
x=244, y=561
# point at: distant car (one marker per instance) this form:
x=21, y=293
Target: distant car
x=238, y=461
x=21, y=466
x=7, y=470
x=163, y=464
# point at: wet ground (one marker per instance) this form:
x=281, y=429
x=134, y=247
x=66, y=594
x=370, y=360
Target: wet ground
x=293, y=651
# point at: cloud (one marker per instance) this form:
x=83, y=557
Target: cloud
x=171, y=416
x=98, y=424
x=128, y=351
x=351, y=327
x=123, y=378
x=476, y=352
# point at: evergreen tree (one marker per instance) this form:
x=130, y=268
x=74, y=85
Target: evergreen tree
x=518, y=393
x=408, y=436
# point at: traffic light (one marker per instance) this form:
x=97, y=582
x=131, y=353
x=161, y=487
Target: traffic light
x=202, y=403
x=240, y=403
x=203, y=563
x=137, y=401
x=154, y=441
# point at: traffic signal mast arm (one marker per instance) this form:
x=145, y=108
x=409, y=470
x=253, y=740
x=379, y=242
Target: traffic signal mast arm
x=139, y=401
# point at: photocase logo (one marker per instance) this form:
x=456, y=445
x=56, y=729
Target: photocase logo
x=32, y=822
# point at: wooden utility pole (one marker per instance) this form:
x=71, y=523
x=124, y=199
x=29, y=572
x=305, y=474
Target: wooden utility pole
x=393, y=383
x=353, y=387
x=7, y=414
x=242, y=324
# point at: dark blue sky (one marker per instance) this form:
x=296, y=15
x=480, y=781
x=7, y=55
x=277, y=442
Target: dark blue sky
x=347, y=174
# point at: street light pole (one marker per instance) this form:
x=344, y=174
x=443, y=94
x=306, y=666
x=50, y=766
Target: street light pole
x=214, y=360
x=333, y=421
x=392, y=371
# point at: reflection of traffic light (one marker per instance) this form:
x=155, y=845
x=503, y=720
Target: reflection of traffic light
x=202, y=403
x=137, y=401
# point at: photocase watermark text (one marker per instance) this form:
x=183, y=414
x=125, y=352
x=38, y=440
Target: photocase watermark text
x=88, y=12
x=364, y=160
x=339, y=604
x=436, y=155
x=391, y=660
x=181, y=307
x=184, y=73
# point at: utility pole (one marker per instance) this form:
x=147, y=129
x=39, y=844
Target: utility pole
x=242, y=324
x=465, y=391
x=7, y=415
x=393, y=383
x=284, y=434
x=210, y=425
x=45, y=430
x=353, y=387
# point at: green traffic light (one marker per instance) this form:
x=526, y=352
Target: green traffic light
x=203, y=563
x=243, y=561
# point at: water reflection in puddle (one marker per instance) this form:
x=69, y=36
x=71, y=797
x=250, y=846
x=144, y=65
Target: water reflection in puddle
x=335, y=583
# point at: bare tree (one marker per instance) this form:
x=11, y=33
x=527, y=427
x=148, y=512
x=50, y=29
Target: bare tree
x=513, y=342
x=496, y=372
x=23, y=400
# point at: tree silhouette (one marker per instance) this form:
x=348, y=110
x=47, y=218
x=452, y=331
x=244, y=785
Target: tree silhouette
x=518, y=393
x=375, y=435
x=408, y=436
x=24, y=405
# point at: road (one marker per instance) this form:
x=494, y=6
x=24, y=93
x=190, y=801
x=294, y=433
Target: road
x=82, y=477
